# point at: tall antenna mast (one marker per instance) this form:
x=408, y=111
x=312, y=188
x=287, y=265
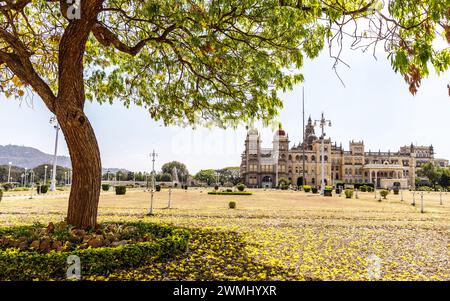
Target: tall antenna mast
x=303, y=144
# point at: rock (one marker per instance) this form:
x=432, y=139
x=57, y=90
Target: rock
x=78, y=232
x=119, y=243
x=95, y=243
x=35, y=244
x=23, y=245
x=50, y=228
x=45, y=245
x=57, y=245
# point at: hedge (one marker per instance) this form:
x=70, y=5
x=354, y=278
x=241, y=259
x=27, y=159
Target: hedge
x=31, y=265
x=230, y=193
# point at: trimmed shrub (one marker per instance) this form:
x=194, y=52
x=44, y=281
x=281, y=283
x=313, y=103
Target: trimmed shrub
x=240, y=187
x=216, y=187
x=348, y=193
x=384, y=193
x=31, y=265
x=307, y=188
x=328, y=192
x=363, y=188
x=121, y=190
x=105, y=187
x=232, y=205
x=42, y=189
x=284, y=186
x=314, y=190
x=425, y=188
x=158, y=188
x=370, y=189
x=396, y=190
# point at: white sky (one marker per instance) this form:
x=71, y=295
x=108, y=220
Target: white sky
x=375, y=106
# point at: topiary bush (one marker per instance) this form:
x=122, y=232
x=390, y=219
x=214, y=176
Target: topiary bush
x=384, y=193
x=42, y=189
x=307, y=188
x=348, y=193
x=216, y=187
x=140, y=244
x=8, y=186
x=158, y=187
x=314, y=190
x=105, y=187
x=121, y=190
x=240, y=187
x=232, y=205
x=363, y=188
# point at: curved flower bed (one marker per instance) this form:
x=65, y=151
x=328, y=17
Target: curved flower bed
x=134, y=245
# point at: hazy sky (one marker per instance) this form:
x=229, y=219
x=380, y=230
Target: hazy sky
x=374, y=106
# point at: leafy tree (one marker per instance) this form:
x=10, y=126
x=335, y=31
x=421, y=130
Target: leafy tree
x=182, y=171
x=190, y=61
x=229, y=175
x=207, y=175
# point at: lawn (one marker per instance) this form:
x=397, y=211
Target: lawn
x=275, y=235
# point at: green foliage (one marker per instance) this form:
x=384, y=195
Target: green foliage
x=283, y=182
x=424, y=188
x=314, y=190
x=7, y=186
x=121, y=190
x=363, y=188
x=1, y=194
x=232, y=205
x=105, y=187
x=31, y=265
x=230, y=193
x=307, y=188
x=348, y=193
x=240, y=187
x=158, y=187
x=42, y=189
x=207, y=175
x=384, y=193
x=163, y=177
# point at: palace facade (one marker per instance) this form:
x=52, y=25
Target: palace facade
x=264, y=167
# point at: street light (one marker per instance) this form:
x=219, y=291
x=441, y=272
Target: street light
x=54, y=122
x=9, y=172
x=25, y=181
x=45, y=174
x=322, y=124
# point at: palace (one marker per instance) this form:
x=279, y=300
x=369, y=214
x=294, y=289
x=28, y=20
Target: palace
x=264, y=167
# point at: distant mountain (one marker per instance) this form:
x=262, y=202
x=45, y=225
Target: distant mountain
x=23, y=156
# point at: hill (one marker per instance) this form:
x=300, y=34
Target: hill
x=24, y=156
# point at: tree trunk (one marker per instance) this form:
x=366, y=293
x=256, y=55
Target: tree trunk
x=86, y=167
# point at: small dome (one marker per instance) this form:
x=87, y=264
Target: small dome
x=281, y=132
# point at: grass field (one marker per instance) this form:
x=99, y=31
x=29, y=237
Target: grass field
x=276, y=235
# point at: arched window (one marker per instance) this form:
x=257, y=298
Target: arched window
x=313, y=158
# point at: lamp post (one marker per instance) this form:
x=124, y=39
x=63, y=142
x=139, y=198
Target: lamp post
x=45, y=174
x=66, y=181
x=9, y=172
x=54, y=122
x=322, y=124
x=25, y=179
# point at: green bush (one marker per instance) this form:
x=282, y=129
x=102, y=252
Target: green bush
x=370, y=189
x=158, y=187
x=384, y=193
x=284, y=186
x=216, y=187
x=232, y=205
x=121, y=190
x=240, y=187
x=396, y=190
x=1, y=194
x=314, y=190
x=307, y=188
x=348, y=193
x=105, y=187
x=363, y=188
x=425, y=188
x=230, y=193
x=31, y=265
